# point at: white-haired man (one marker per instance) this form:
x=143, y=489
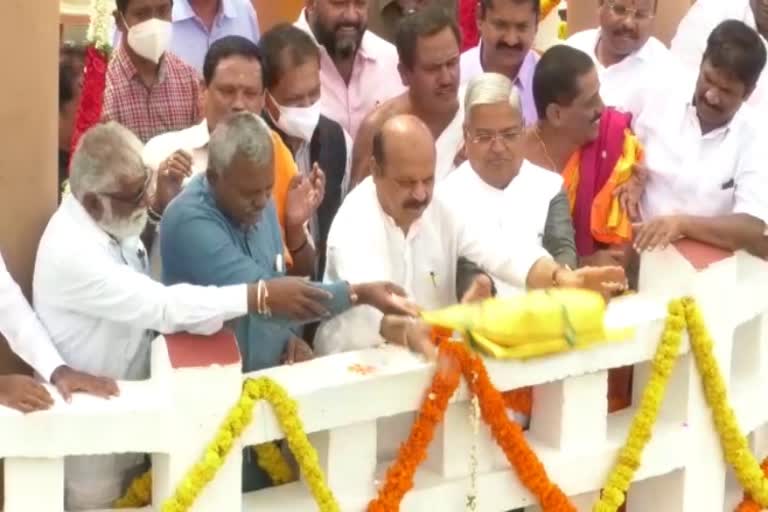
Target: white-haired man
x=498, y=188
x=415, y=241
x=92, y=292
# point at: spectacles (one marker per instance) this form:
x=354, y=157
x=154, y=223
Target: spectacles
x=505, y=138
x=133, y=201
x=623, y=11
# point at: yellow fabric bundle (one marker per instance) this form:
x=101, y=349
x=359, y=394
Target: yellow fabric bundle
x=535, y=324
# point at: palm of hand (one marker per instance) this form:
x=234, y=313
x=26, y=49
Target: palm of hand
x=300, y=204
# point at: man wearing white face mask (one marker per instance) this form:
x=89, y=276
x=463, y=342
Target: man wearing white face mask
x=148, y=89
x=291, y=62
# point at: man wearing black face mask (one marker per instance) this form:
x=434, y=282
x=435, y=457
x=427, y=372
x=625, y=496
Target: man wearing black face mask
x=706, y=150
x=358, y=69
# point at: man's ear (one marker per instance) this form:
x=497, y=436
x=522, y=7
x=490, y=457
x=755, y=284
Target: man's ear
x=212, y=176
x=554, y=114
x=93, y=205
x=401, y=69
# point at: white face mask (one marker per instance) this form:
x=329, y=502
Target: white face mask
x=150, y=38
x=299, y=122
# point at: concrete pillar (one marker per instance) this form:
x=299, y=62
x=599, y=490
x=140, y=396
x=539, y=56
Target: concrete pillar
x=28, y=148
x=583, y=14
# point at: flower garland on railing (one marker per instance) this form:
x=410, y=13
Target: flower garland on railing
x=268, y=454
x=640, y=430
x=748, y=504
x=455, y=359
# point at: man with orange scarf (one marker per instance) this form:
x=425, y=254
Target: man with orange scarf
x=593, y=149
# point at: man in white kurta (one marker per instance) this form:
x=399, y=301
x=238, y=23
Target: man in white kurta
x=706, y=149
x=625, y=54
x=391, y=228
x=497, y=189
x=690, y=40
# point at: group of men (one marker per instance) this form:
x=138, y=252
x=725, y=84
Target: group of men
x=316, y=188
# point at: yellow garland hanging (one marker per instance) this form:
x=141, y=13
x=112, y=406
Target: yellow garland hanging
x=268, y=454
x=682, y=313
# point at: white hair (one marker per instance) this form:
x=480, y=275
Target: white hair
x=244, y=134
x=104, y=153
x=488, y=89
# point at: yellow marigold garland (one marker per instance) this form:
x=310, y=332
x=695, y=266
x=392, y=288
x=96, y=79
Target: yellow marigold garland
x=268, y=454
x=734, y=444
x=640, y=430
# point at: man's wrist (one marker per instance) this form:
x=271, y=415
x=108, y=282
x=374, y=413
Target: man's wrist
x=58, y=372
x=358, y=294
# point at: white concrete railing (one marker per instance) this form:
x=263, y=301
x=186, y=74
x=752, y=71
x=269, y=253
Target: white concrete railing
x=195, y=381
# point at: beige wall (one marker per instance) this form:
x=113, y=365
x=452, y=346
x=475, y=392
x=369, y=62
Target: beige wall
x=29, y=113
x=583, y=14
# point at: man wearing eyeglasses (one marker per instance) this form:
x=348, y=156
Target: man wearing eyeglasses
x=391, y=227
x=624, y=52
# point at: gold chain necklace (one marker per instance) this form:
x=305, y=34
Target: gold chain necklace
x=555, y=168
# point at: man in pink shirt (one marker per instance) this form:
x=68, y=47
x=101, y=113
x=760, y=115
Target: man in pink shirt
x=358, y=69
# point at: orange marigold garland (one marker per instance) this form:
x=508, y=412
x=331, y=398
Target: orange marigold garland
x=455, y=359
x=748, y=504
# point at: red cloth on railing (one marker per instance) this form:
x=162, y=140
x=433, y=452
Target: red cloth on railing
x=467, y=17
x=94, y=81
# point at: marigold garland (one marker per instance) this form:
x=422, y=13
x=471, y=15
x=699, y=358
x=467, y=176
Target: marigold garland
x=268, y=454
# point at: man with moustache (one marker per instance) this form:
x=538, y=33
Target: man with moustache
x=690, y=41
x=148, y=89
x=428, y=47
x=415, y=240
x=706, y=150
x=93, y=295
x=358, y=69
x=507, y=31
x=623, y=49
x=584, y=142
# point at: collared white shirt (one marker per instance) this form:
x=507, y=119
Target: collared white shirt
x=619, y=81
x=450, y=141
x=718, y=173
x=193, y=140
x=93, y=296
x=365, y=244
x=517, y=213
x=690, y=41
x=374, y=80
x=20, y=326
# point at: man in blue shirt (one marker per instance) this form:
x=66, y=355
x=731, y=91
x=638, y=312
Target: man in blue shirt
x=199, y=23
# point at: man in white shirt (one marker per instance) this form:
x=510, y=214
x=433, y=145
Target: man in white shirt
x=507, y=31
x=706, y=150
x=358, y=69
x=497, y=188
x=428, y=43
x=29, y=340
x=93, y=295
x=690, y=41
x=391, y=228
x=625, y=53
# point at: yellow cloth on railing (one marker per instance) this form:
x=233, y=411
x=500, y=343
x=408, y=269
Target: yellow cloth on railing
x=537, y=323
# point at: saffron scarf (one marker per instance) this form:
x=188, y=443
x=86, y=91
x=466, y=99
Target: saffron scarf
x=591, y=176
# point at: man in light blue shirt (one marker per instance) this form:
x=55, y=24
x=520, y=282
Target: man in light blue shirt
x=198, y=23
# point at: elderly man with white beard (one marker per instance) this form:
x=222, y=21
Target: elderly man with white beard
x=92, y=292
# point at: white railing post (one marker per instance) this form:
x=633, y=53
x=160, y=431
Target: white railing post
x=347, y=456
x=34, y=484
x=205, y=376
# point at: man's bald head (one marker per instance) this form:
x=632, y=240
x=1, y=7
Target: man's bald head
x=404, y=168
x=399, y=136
